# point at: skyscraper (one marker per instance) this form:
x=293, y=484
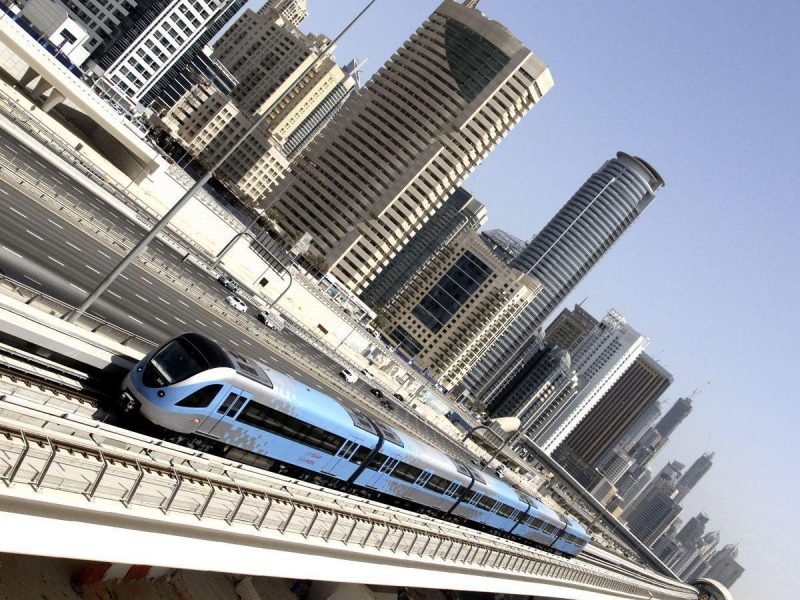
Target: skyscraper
x=723, y=566
x=152, y=37
x=674, y=417
x=393, y=155
x=566, y=249
x=600, y=359
x=639, y=387
x=655, y=508
x=460, y=211
x=503, y=244
x=699, y=468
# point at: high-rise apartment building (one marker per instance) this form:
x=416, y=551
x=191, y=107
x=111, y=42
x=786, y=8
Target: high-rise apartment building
x=639, y=386
x=600, y=359
x=395, y=153
x=562, y=253
x=294, y=11
x=459, y=212
x=153, y=37
x=266, y=55
x=696, y=560
x=461, y=301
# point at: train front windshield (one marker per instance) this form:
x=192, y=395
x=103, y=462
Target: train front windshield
x=176, y=361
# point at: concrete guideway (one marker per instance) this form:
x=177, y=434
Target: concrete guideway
x=66, y=86
x=121, y=497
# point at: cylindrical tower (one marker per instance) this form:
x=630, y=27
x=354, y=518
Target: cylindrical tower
x=565, y=251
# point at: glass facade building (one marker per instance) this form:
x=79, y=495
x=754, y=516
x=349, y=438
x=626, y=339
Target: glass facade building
x=562, y=253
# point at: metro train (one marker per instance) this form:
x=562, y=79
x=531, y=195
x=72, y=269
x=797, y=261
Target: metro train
x=202, y=395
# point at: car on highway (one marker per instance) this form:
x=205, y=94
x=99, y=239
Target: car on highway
x=236, y=303
x=368, y=374
x=387, y=404
x=270, y=320
x=348, y=375
x=376, y=392
x=399, y=397
x=228, y=282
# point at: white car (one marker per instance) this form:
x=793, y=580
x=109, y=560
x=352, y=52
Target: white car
x=236, y=303
x=348, y=375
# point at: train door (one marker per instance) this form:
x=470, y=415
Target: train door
x=345, y=453
x=377, y=480
x=234, y=400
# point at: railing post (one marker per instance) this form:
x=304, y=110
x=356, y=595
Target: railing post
x=202, y=511
x=96, y=483
x=178, y=481
x=43, y=473
x=366, y=537
x=126, y=502
x=285, y=525
x=9, y=478
x=264, y=514
x=328, y=533
x=229, y=519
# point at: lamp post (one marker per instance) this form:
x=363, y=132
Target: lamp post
x=151, y=235
x=509, y=425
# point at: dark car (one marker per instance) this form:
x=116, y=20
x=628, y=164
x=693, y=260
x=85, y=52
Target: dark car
x=376, y=392
x=387, y=404
x=228, y=282
x=399, y=397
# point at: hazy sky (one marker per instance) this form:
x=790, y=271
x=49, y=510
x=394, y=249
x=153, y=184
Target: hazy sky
x=708, y=93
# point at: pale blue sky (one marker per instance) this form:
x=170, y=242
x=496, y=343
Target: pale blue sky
x=708, y=93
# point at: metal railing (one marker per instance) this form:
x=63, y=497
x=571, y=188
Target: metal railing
x=47, y=452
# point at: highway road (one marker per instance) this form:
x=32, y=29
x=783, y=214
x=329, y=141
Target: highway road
x=44, y=250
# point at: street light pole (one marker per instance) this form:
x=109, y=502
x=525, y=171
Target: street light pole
x=150, y=236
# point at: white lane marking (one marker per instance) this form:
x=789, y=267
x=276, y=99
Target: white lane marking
x=142, y=298
x=164, y=301
x=217, y=324
x=180, y=320
x=297, y=373
x=184, y=303
x=2, y=191
x=234, y=343
x=54, y=223
x=40, y=163
x=58, y=262
x=135, y=319
x=32, y=279
x=145, y=280
x=246, y=342
x=24, y=216
x=103, y=253
x=124, y=277
x=12, y=252
x=93, y=269
x=36, y=235
x=74, y=246
x=162, y=321
x=78, y=288
x=200, y=322
x=115, y=294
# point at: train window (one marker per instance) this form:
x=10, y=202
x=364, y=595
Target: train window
x=487, y=503
x=200, y=398
x=549, y=528
x=175, y=362
x=536, y=523
x=406, y=472
x=227, y=404
x=237, y=405
x=360, y=455
x=437, y=484
x=273, y=421
x=468, y=496
x=505, y=510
